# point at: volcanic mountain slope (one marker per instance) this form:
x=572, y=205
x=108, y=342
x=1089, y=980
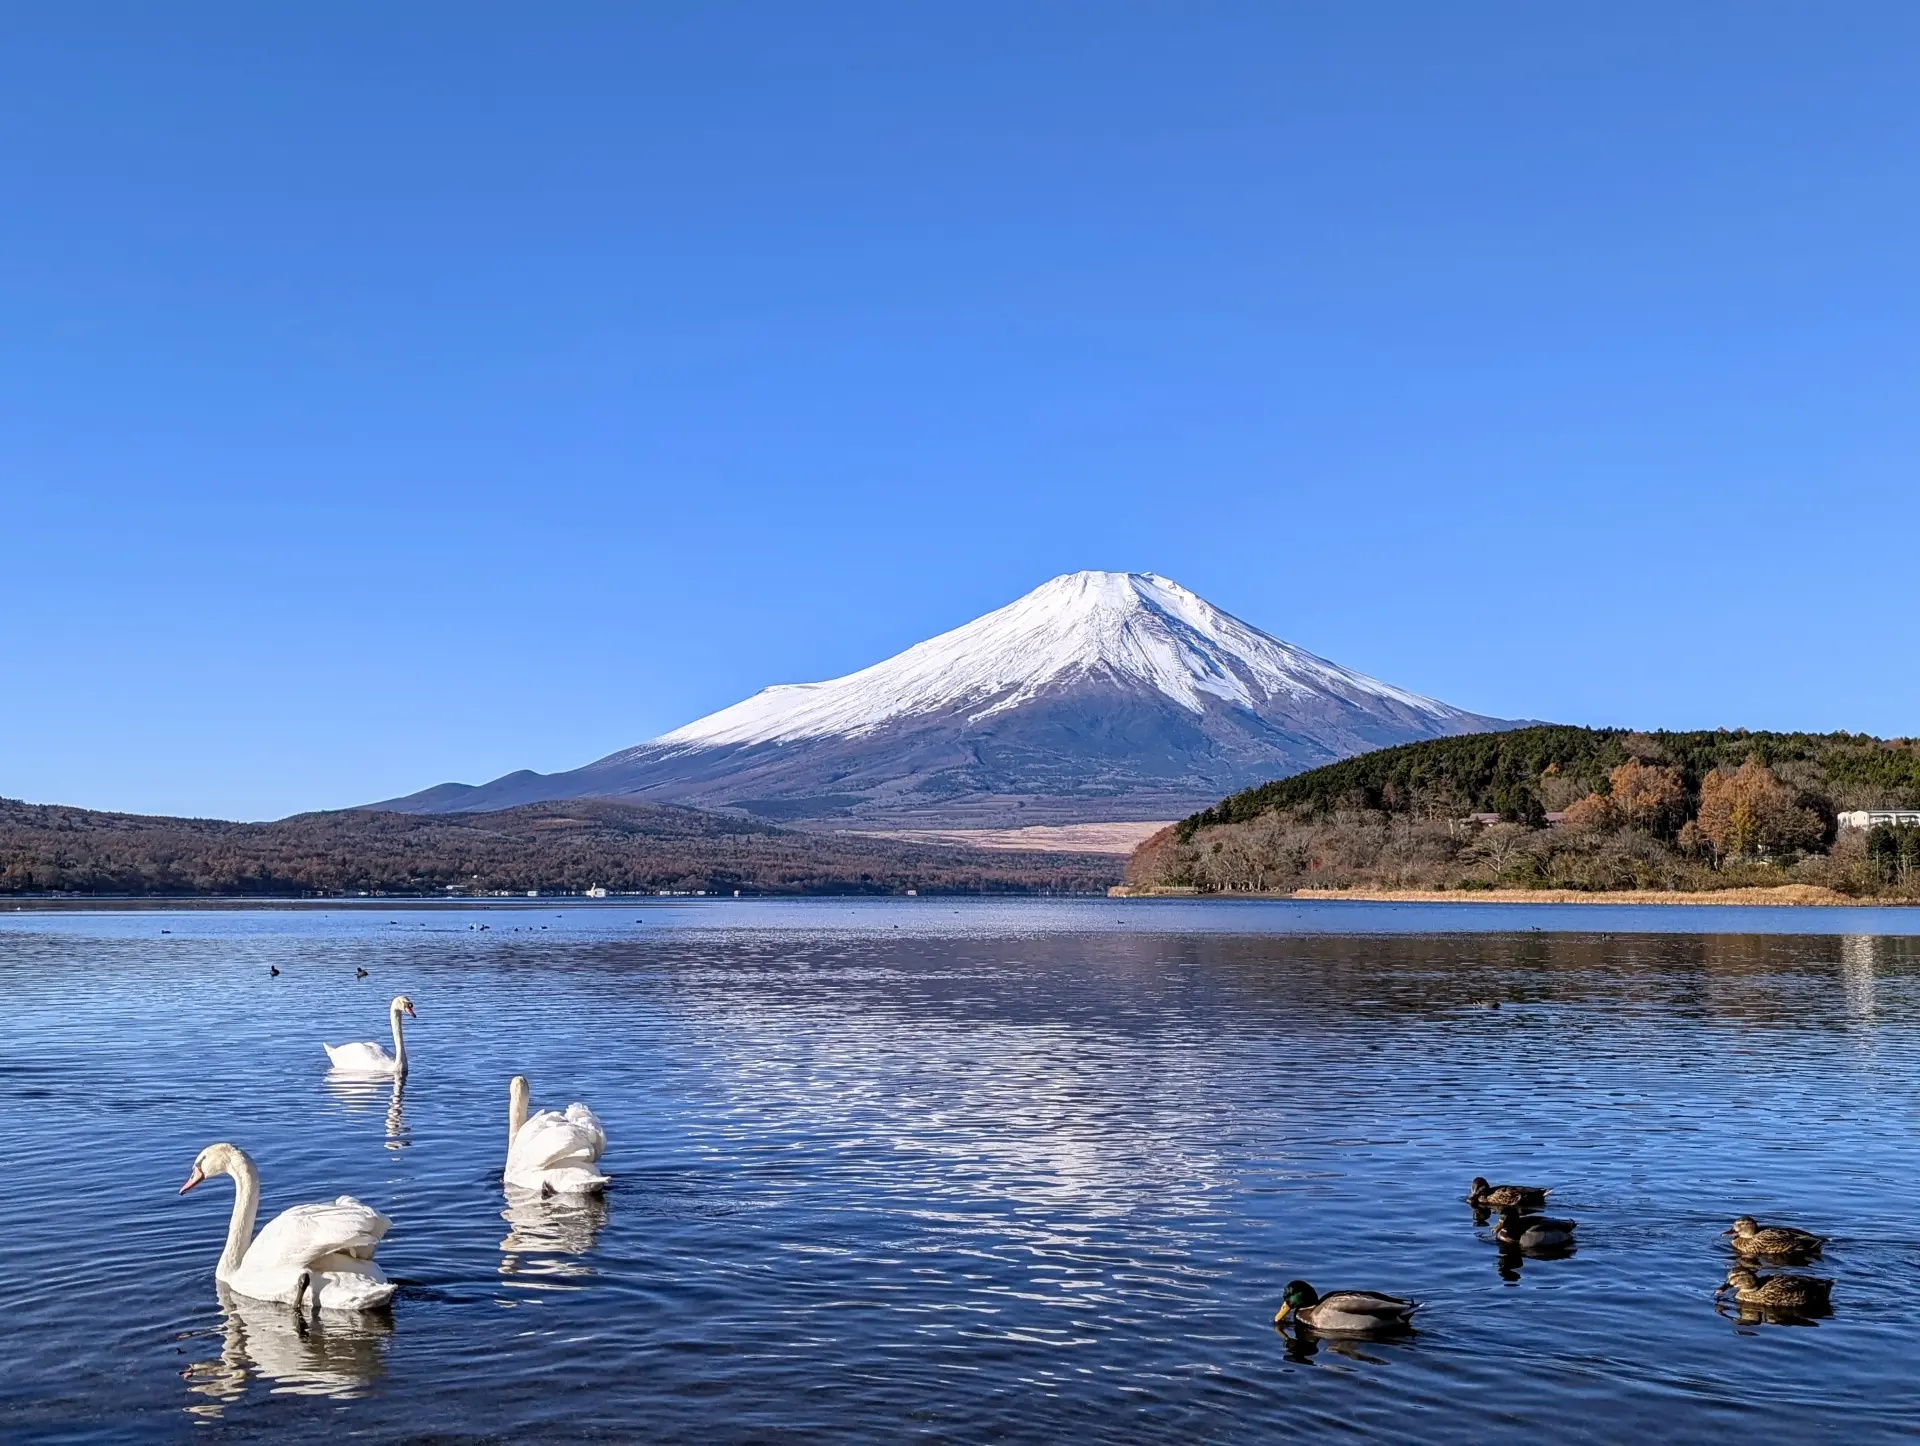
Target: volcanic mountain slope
x=1098, y=696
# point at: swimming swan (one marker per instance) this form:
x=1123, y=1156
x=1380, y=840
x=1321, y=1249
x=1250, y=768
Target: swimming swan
x=552, y=1152
x=367, y=1057
x=324, y=1250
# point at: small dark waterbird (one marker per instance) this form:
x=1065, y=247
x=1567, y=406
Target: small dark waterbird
x=359, y=974
x=1748, y=1236
x=1482, y=1196
x=273, y=970
x=1345, y=1312
x=1531, y=1232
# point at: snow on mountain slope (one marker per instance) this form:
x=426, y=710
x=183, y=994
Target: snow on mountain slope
x=1135, y=626
x=1097, y=697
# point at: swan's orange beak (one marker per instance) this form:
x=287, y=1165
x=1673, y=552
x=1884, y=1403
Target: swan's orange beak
x=410, y=1013
x=193, y=1179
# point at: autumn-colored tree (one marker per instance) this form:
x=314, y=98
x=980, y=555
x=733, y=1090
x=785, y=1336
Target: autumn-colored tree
x=1649, y=797
x=1641, y=795
x=1592, y=814
x=1752, y=812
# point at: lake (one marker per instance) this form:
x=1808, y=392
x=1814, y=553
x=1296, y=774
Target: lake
x=962, y=1171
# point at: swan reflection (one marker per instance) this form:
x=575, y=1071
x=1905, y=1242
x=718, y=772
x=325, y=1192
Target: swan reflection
x=359, y=1093
x=333, y=1355
x=543, y=1231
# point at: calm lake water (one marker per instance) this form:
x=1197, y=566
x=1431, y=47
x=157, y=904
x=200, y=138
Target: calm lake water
x=966, y=1171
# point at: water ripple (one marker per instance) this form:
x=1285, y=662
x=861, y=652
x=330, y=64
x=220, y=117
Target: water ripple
x=963, y=1173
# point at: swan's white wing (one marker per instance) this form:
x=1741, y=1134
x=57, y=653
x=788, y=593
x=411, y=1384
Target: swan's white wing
x=304, y=1234
x=551, y=1138
x=588, y=1123
x=361, y=1054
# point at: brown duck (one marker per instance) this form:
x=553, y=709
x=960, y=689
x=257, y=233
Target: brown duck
x=1748, y=1236
x=1499, y=1197
x=1778, y=1292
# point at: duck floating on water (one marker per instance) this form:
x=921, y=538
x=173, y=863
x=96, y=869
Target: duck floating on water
x=1782, y=1292
x=1748, y=1236
x=1345, y=1312
x=1531, y=1232
x=1482, y=1196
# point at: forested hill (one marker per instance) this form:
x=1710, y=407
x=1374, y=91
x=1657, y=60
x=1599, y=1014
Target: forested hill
x=1528, y=772
x=564, y=847
x=1586, y=809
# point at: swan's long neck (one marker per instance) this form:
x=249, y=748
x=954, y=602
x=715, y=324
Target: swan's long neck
x=246, y=1204
x=399, y=1045
x=517, y=1094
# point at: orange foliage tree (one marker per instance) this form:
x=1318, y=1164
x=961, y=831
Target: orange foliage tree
x=1642, y=795
x=1648, y=796
x=1752, y=812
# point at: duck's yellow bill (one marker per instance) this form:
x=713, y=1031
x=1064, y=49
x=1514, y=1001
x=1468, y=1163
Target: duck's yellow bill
x=1281, y=1314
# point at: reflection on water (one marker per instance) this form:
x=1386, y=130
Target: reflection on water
x=543, y=1231
x=298, y=1354
x=358, y=1094
x=1857, y=955
x=1509, y=1259
x=1302, y=1344
x=1020, y=1173
x=1748, y=1315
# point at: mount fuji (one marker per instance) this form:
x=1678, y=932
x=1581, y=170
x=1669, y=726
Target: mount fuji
x=1097, y=697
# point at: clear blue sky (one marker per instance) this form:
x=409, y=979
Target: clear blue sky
x=391, y=394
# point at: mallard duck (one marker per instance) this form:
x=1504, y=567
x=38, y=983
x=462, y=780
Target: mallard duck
x=1483, y=1196
x=1344, y=1312
x=1532, y=1232
x=1748, y=1236
x=1777, y=1292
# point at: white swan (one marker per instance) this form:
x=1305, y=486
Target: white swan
x=325, y=1250
x=552, y=1152
x=367, y=1057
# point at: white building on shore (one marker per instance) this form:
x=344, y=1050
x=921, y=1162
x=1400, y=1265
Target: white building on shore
x=1873, y=817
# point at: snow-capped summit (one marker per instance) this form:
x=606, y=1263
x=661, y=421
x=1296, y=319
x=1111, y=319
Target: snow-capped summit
x=1134, y=627
x=1097, y=696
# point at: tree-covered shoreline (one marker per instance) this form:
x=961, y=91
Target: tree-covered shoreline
x=1553, y=806
x=558, y=847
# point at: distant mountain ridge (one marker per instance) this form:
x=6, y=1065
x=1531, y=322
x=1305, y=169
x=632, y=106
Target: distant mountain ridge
x=1098, y=696
x=567, y=847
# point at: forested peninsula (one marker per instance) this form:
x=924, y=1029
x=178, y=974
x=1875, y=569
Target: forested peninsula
x=1554, y=808
x=551, y=848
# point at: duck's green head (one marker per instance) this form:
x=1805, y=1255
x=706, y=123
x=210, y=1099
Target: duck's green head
x=1297, y=1296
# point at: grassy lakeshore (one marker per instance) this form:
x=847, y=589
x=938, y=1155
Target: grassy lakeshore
x=1798, y=895
x=1789, y=895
